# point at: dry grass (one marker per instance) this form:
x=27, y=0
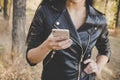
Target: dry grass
x=15, y=67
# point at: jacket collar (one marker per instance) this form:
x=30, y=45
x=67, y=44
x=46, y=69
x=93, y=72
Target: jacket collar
x=59, y=5
x=95, y=17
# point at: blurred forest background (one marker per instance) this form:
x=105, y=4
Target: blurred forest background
x=15, y=19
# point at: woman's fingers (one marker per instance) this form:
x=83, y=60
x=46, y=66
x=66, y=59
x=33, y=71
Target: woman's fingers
x=62, y=44
x=88, y=61
x=58, y=43
x=91, y=67
x=51, y=38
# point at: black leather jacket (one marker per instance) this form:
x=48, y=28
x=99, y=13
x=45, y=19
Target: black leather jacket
x=67, y=64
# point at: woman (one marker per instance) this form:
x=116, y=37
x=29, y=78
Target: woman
x=68, y=59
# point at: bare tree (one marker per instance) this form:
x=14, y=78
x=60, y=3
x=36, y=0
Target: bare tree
x=18, y=31
x=118, y=16
x=5, y=9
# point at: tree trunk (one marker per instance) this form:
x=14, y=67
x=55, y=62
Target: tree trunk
x=106, y=3
x=5, y=9
x=18, y=31
x=118, y=16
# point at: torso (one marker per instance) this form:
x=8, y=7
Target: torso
x=64, y=64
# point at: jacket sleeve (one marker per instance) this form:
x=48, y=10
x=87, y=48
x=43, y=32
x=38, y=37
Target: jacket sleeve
x=35, y=35
x=103, y=44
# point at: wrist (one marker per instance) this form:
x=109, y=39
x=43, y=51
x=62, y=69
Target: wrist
x=47, y=46
x=99, y=69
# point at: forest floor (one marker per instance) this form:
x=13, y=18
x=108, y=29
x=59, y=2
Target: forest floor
x=15, y=67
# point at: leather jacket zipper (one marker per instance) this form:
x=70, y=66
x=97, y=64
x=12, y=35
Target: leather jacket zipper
x=79, y=65
x=81, y=60
x=52, y=55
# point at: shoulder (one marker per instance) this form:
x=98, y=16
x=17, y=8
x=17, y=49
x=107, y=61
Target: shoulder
x=94, y=11
x=48, y=12
x=42, y=10
x=96, y=16
x=47, y=8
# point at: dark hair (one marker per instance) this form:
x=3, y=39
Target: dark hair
x=89, y=2
x=61, y=2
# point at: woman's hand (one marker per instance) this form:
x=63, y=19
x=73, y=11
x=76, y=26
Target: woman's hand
x=92, y=67
x=58, y=43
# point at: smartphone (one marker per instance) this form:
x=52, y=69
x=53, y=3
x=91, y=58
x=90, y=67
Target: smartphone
x=61, y=32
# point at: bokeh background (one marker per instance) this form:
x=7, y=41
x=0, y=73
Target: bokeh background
x=15, y=20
